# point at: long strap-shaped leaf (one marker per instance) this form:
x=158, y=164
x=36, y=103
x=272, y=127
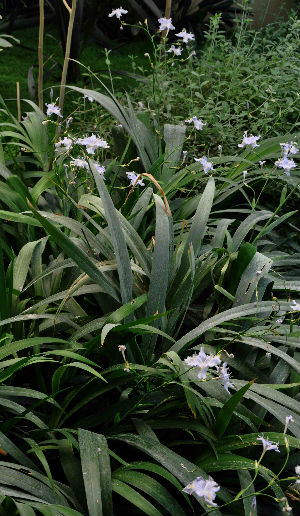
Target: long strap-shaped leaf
x=184, y=470
x=257, y=268
x=174, y=136
x=96, y=473
x=132, y=125
x=263, y=307
x=200, y=218
x=79, y=257
x=117, y=237
x=160, y=271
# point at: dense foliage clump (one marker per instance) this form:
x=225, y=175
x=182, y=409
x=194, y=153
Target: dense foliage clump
x=149, y=291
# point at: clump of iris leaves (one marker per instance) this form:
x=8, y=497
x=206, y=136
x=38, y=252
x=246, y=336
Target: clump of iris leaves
x=110, y=281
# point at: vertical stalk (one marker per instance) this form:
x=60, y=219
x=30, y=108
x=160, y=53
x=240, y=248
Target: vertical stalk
x=72, y=11
x=167, y=15
x=18, y=102
x=40, y=55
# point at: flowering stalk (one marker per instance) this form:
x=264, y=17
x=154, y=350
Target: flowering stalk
x=40, y=55
x=72, y=11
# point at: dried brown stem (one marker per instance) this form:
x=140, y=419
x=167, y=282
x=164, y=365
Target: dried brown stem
x=150, y=176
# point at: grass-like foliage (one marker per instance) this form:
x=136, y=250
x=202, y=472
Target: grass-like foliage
x=148, y=328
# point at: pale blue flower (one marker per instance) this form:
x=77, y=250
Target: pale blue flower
x=165, y=24
x=253, y=505
x=118, y=12
x=79, y=163
x=198, y=124
x=202, y=362
x=100, y=168
x=285, y=163
x=268, y=445
x=186, y=36
x=289, y=148
x=92, y=143
x=288, y=420
x=206, y=489
x=207, y=165
x=184, y=155
x=64, y=142
x=52, y=109
x=225, y=377
x=89, y=98
x=133, y=179
x=249, y=140
x=295, y=307
x=176, y=50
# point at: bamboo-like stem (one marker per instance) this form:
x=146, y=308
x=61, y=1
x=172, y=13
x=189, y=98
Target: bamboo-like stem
x=40, y=54
x=18, y=102
x=67, y=6
x=167, y=15
x=67, y=55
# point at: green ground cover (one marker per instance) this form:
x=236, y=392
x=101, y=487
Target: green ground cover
x=16, y=61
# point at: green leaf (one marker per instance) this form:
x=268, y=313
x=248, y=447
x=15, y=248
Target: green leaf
x=13, y=451
x=262, y=307
x=247, y=225
x=184, y=470
x=226, y=412
x=25, y=509
x=96, y=472
x=19, y=345
x=174, y=136
x=159, y=273
x=21, y=264
x=246, y=483
x=258, y=267
x=152, y=488
x=135, y=498
x=117, y=237
x=29, y=484
x=79, y=257
x=200, y=218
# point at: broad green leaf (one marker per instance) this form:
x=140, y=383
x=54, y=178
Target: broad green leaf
x=152, y=488
x=258, y=267
x=117, y=237
x=19, y=345
x=79, y=257
x=174, y=136
x=135, y=498
x=184, y=470
x=96, y=472
x=254, y=309
x=226, y=412
x=159, y=273
x=15, y=478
